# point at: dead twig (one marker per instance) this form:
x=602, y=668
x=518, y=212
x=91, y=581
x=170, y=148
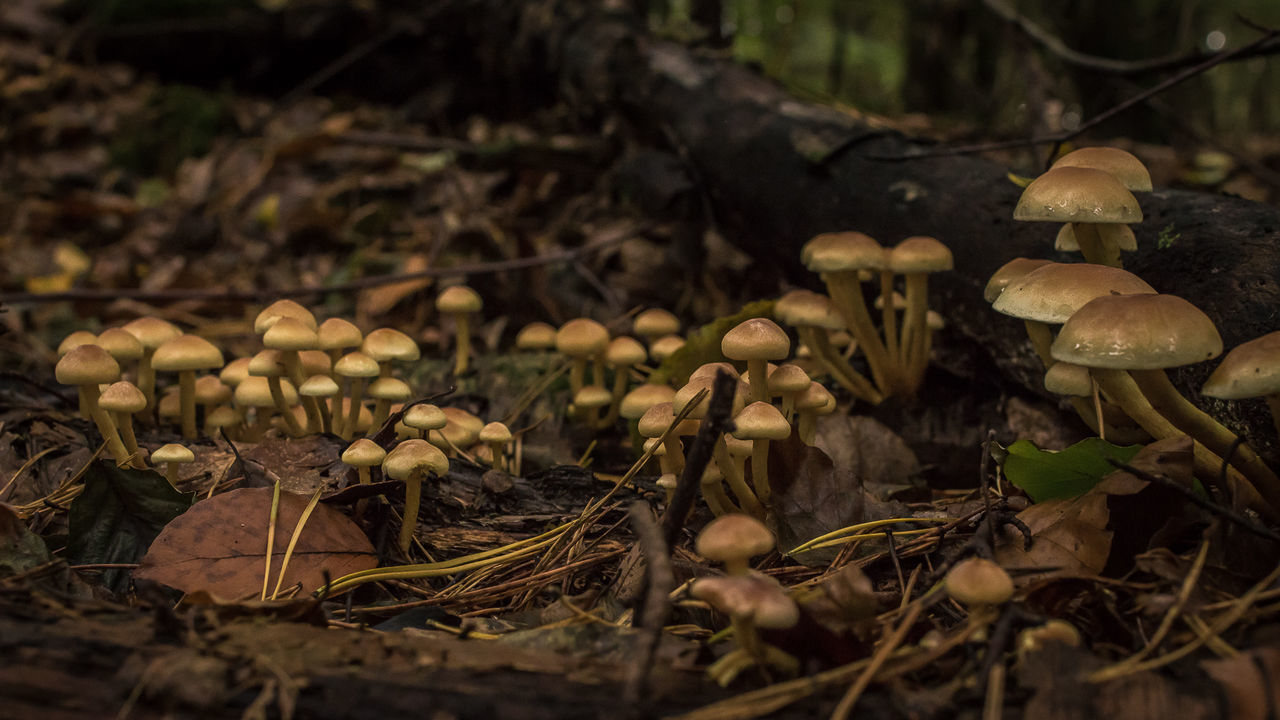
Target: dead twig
x=657, y=604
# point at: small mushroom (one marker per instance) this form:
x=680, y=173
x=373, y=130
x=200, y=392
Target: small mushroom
x=411, y=462
x=171, y=456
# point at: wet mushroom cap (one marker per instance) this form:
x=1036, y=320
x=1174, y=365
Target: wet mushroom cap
x=635, y=403
x=152, y=332
x=122, y=397
x=410, y=456
x=338, y=334
x=843, y=251
x=1137, y=332
x=756, y=339
x=425, y=416
x=536, y=336
x=120, y=343
x=495, y=432
x=1077, y=194
x=186, y=352
x=279, y=309
x=756, y=597
x=920, y=254
x=655, y=322
x=289, y=333
x=87, y=365
x=386, y=344
x=172, y=453
x=363, y=453
x=762, y=421
x=1007, y=273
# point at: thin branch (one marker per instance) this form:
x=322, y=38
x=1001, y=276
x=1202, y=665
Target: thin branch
x=1057, y=138
x=604, y=241
x=1071, y=56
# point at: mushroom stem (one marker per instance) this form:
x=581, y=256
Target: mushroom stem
x=124, y=423
x=915, y=329
x=462, y=348
x=89, y=399
x=1096, y=248
x=412, y=500
x=1041, y=339
x=187, y=400
x=353, y=410
x=147, y=378
x=847, y=296
x=362, y=474
x=889, y=320
x=760, y=469
x=1167, y=401
x=713, y=495
x=277, y=396
x=839, y=368
x=1121, y=388
x=758, y=370
x=746, y=498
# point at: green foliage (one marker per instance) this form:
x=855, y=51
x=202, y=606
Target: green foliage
x=118, y=515
x=703, y=344
x=1068, y=473
x=1168, y=236
x=178, y=122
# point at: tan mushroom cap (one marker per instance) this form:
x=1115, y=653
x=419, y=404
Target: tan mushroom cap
x=789, y=378
x=120, y=343
x=363, y=453
x=1137, y=332
x=635, y=403
x=187, y=352
x=76, y=339
x=756, y=339
x=1077, y=194
x=624, y=351
x=172, y=453
x=843, y=252
x=356, y=364
x=389, y=388
x=337, y=334
x=1251, y=369
x=665, y=346
x=495, y=432
x=581, y=337
x=459, y=299
x=536, y=336
x=152, y=332
x=1121, y=235
x=756, y=597
x=814, y=397
x=319, y=386
x=314, y=362
x=707, y=371
x=386, y=344
x=1008, y=273
x=266, y=363
x=734, y=537
x=279, y=309
x=977, y=581
x=658, y=417
x=211, y=391
x=761, y=421
x=654, y=323
x=255, y=391
x=805, y=308
x=288, y=333
x=87, y=365
x=1053, y=292
x=425, y=416
x=920, y=254
x=1069, y=379
x=414, y=456
x=122, y=397
x=1126, y=168
x=592, y=396
x=235, y=371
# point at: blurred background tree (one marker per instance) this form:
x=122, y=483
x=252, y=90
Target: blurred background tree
x=975, y=75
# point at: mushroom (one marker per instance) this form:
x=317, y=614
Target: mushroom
x=362, y=455
x=752, y=602
x=654, y=323
x=979, y=585
x=123, y=399
x=355, y=367
x=761, y=422
x=279, y=309
x=536, y=336
x=665, y=346
x=151, y=332
x=1127, y=341
x=837, y=258
x=757, y=341
x=621, y=354
x=788, y=381
x=914, y=258
x=424, y=417
x=727, y=469
x=321, y=388
x=733, y=540
x=496, y=436
x=88, y=366
x=336, y=335
x=76, y=339
x=1086, y=198
x=172, y=455
x=387, y=345
x=460, y=302
x=411, y=462
x=1250, y=370
x=387, y=390
x=583, y=340
x=255, y=392
x=185, y=355
x=814, y=317
x=267, y=364
x=121, y=344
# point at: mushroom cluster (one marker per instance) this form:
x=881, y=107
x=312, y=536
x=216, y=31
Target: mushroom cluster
x=1106, y=337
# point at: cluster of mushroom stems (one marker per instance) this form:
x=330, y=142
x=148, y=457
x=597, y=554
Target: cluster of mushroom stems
x=1106, y=337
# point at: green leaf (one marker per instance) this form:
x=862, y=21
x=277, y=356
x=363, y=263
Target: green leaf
x=1068, y=473
x=118, y=515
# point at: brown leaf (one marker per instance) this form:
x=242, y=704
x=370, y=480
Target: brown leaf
x=378, y=300
x=1250, y=681
x=219, y=545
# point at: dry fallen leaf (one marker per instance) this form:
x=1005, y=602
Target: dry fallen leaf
x=1250, y=681
x=219, y=545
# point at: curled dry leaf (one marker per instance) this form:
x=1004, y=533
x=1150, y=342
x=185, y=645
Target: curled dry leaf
x=219, y=545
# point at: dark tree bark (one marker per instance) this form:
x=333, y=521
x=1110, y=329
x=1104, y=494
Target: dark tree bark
x=777, y=171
